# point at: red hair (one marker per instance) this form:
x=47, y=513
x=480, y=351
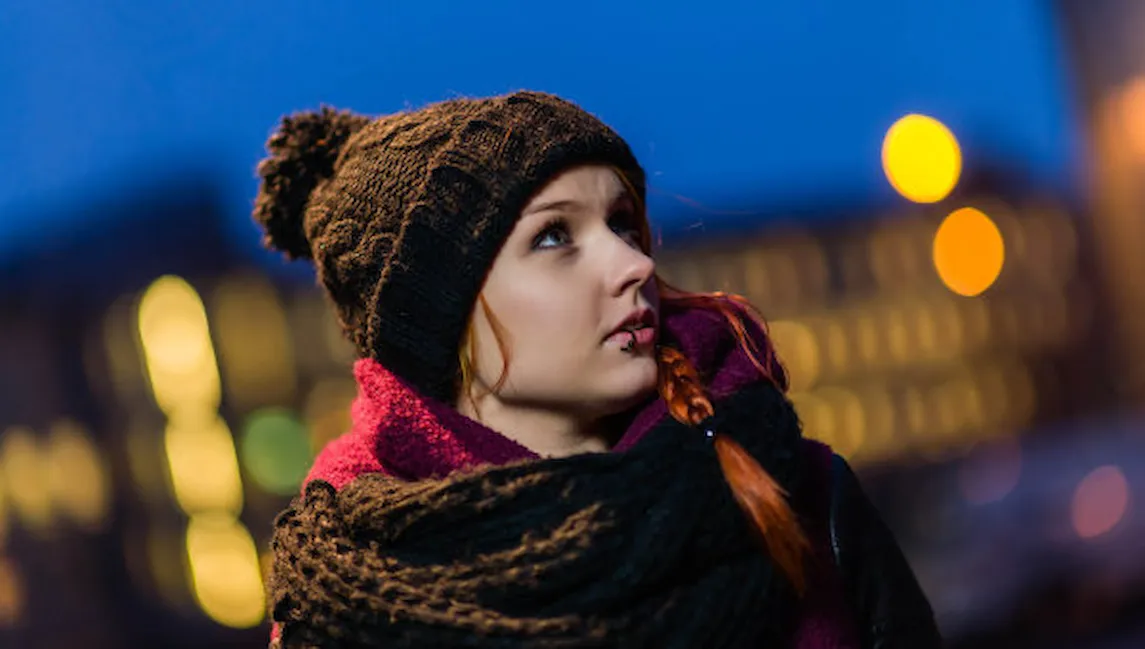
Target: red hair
x=763, y=501
x=761, y=498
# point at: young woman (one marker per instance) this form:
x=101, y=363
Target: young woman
x=551, y=447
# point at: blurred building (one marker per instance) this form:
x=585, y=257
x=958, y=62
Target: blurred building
x=164, y=396
x=1109, y=65
x=161, y=394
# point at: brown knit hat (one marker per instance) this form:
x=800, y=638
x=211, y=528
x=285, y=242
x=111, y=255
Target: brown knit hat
x=403, y=215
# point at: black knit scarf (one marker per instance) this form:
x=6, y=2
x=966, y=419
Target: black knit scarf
x=640, y=548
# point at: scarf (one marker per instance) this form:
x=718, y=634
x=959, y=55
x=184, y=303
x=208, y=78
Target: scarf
x=422, y=528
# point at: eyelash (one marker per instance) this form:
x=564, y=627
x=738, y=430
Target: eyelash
x=621, y=222
x=554, y=224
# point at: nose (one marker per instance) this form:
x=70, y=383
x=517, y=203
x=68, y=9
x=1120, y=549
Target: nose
x=633, y=270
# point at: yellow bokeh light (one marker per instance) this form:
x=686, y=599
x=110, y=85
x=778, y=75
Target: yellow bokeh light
x=11, y=593
x=921, y=158
x=915, y=414
x=177, y=348
x=968, y=251
x=4, y=524
x=76, y=474
x=867, y=335
x=22, y=469
x=815, y=414
x=836, y=346
x=757, y=282
x=225, y=571
x=849, y=425
x=880, y=440
x=898, y=335
x=796, y=345
x=203, y=465
x=925, y=329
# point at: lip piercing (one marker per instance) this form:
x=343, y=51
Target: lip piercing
x=631, y=344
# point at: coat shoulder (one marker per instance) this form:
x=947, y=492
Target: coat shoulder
x=890, y=607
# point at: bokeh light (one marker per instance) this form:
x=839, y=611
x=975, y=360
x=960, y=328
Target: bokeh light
x=1100, y=502
x=898, y=335
x=838, y=350
x=850, y=420
x=5, y=523
x=76, y=475
x=177, y=348
x=915, y=414
x=881, y=439
x=23, y=470
x=1132, y=109
x=925, y=328
x=225, y=571
x=867, y=334
x=203, y=465
x=796, y=346
x=815, y=415
x=968, y=252
x=11, y=593
x=275, y=450
x=921, y=158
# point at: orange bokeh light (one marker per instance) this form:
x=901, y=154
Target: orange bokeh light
x=968, y=251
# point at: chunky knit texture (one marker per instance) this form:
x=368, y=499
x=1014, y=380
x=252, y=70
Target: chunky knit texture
x=403, y=215
x=422, y=528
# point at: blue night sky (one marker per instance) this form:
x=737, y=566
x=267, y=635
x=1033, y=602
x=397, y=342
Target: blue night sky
x=758, y=104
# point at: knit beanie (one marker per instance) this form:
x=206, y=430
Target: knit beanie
x=403, y=215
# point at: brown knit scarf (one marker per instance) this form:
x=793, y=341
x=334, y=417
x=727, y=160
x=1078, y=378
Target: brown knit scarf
x=641, y=548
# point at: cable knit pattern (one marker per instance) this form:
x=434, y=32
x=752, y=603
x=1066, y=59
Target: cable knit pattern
x=403, y=214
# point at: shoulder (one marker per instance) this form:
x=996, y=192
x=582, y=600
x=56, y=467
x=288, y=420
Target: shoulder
x=890, y=606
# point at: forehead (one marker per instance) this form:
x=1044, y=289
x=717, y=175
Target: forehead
x=589, y=186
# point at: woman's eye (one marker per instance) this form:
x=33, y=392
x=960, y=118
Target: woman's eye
x=553, y=235
x=624, y=225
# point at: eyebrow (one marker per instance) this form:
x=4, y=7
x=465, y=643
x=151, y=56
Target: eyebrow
x=551, y=206
x=570, y=205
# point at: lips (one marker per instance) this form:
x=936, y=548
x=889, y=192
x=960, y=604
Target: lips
x=644, y=336
x=638, y=318
x=639, y=325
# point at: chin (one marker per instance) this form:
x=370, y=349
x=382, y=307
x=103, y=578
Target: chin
x=629, y=386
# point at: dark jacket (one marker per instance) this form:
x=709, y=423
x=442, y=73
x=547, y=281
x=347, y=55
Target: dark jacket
x=879, y=586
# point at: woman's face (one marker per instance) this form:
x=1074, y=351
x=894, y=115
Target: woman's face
x=571, y=272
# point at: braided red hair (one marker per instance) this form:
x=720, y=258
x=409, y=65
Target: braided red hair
x=761, y=498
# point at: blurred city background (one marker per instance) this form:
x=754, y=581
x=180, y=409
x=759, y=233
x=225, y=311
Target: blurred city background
x=939, y=205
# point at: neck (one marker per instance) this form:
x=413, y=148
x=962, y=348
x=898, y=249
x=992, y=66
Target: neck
x=545, y=431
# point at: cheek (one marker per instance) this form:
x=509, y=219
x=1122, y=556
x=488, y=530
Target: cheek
x=552, y=328
x=548, y=316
